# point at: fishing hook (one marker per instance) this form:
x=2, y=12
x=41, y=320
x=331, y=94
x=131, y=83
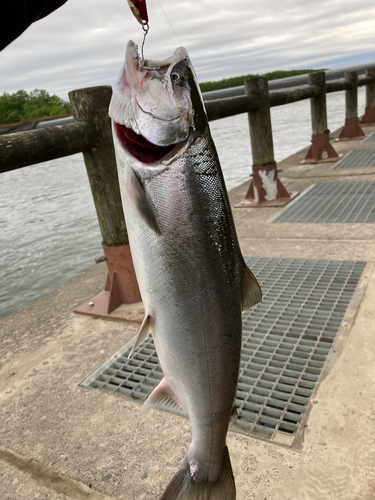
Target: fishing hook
x=145, y=28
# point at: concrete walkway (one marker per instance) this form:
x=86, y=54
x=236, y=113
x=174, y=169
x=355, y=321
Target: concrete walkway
x=59, y=440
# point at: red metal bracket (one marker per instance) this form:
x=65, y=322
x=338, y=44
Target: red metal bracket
x=120, y=299
x=266, y=189
x=321, y=151
x=368, y=118
x=351, y=130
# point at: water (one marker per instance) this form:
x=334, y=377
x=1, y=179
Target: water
x=49, y=230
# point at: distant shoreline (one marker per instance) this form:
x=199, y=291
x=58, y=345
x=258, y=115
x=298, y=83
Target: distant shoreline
x=237, y=81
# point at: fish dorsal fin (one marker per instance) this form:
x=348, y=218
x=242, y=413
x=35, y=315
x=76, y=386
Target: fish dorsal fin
x=143, y=333
x=251, y=292
x=163, y=398
x=138, y=195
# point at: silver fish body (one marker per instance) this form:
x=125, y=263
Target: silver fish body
x=192, y=277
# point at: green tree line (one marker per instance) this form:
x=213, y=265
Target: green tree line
x=236, y=81
x=22, y=105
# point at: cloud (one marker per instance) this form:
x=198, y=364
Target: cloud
x=83, y=43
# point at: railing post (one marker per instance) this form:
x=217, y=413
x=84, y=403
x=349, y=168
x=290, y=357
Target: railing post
x=352, y=129
x=265, y=190
x=321, y=150
x=369, y=116
x=91, y=105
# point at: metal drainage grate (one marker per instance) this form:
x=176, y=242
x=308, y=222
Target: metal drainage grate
x=336, y=202
x=369, y=139
x=286, y=340
x=357, y=159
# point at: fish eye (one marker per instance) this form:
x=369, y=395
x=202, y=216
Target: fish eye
x=175, y=77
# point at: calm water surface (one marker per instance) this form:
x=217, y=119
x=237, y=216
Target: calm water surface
x=48, y=226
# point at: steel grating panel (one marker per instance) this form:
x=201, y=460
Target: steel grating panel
x=286, y=341
x=334, y=202
x=357, y=159
x=369, y=139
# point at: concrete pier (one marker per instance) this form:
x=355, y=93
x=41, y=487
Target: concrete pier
x=61, y=441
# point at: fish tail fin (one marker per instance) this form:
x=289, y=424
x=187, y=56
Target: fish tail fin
x=183, y=487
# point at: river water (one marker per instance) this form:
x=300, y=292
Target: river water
x=48, y=225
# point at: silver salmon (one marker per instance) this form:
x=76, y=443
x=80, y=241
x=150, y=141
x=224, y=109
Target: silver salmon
x=192, y=276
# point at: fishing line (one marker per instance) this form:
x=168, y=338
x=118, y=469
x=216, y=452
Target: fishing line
x=139, y=10
x=170, y=24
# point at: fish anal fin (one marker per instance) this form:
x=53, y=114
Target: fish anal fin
x=163, y=398
x=138, y=195
x=234, y=414
x=143, y=333
x=251, y=292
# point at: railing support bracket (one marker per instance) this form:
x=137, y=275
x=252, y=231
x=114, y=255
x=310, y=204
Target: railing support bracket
x=351, y=129
x=321, y=151
x=369, y=116
x=120, y=299
x=266, y=190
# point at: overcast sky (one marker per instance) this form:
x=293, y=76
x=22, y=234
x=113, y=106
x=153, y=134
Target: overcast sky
x=82, y=44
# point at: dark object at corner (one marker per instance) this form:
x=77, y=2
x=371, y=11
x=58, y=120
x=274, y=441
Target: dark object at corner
x=17, y=15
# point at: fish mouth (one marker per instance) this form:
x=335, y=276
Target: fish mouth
x=139, y=147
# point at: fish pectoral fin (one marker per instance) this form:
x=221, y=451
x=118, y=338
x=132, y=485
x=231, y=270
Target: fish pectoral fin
x=142, y=335
x=138, y=195
x=251, y=292
x=234, y=414
x=163, y=398
x=129, y=345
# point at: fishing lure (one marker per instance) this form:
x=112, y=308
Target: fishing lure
x=139, y=9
